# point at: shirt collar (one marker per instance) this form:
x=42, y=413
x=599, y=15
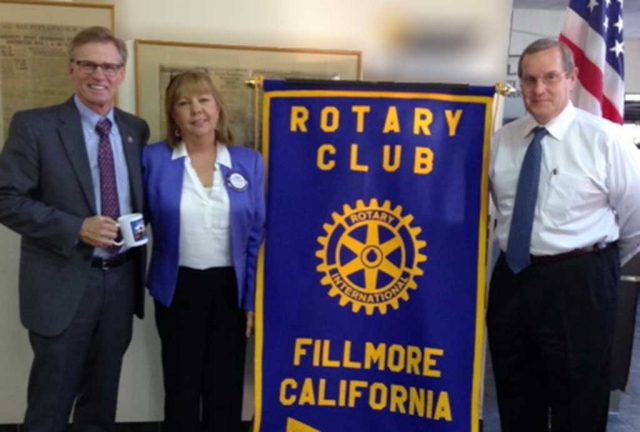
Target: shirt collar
x=557, y=127
x=89, y=117
x=223, y=157
x=179, y=151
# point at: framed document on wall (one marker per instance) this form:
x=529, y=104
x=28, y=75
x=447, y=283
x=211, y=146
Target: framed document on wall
x=229, y=67
x=33, y=51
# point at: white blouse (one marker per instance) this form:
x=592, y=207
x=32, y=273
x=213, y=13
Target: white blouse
x=204, y=215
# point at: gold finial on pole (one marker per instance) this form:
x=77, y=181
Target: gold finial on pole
x=505, y=89
x=255, y=82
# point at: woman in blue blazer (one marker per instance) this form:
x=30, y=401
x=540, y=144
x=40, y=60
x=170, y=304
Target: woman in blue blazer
x=205, y=204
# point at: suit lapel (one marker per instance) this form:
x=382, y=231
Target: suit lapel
x=233, y=196
x=72, y=138
x=132, y=156
x=233, y=203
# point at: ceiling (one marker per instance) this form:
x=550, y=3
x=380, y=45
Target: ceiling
x=631, y=12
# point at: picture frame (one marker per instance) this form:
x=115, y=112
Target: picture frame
x=34, y=36
x=230, y=67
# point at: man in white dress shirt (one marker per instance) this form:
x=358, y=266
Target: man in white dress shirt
x=567, y=191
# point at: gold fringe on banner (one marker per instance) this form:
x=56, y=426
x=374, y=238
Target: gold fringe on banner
x=256, y=84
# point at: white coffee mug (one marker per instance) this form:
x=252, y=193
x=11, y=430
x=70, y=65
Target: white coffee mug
x=132, y=230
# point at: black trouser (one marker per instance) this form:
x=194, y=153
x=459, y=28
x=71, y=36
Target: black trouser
x=550, y=335
x=203, y=349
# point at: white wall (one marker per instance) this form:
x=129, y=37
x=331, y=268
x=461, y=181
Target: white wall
x=377, y=27
x=400, y=40
x=632, y=66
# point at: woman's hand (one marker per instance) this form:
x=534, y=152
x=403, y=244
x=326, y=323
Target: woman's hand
x=249, y=330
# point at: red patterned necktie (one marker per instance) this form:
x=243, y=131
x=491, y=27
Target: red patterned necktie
x=108, y=187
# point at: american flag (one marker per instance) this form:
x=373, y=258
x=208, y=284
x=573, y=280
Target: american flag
x=593, y=31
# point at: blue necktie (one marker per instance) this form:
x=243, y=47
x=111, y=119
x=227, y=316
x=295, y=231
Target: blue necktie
x=519, y=244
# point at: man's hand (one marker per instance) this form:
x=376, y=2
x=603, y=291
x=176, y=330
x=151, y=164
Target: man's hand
x=98, y=231
x=249, y=330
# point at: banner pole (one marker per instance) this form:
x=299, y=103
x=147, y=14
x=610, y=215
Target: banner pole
x=502, y=90
x=256, y=84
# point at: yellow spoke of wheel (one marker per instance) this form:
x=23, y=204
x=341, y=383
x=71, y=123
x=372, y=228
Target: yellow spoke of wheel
x=353, y=266
x=390, y=268
x=372, y=235
x=370, y=280
x=389, y=246
x=352, y=244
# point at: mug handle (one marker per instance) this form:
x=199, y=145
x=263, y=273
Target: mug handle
x=118, y=243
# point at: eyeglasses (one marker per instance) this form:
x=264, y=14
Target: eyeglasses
x=550, y=79
x=89, y=67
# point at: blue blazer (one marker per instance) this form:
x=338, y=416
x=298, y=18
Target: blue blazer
x=162, y=180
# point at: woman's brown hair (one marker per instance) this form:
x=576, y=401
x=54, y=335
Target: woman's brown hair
x=194, y=82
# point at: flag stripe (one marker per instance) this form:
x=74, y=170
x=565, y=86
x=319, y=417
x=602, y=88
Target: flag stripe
x=580, y=34
x=611, y=112
x=590, y=31
x=613, y=88
x=590, y=75
x=608, y=87
x=578, y=31
x=594, y=19
x=585, y=100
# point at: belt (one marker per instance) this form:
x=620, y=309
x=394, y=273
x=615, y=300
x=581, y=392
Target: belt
x=109, y=263
x=548, y=259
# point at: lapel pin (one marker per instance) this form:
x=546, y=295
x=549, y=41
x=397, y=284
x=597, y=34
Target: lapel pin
x=237, y=182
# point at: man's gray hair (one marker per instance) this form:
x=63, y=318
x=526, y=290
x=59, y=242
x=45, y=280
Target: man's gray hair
x=545, y=44
x=100, y=35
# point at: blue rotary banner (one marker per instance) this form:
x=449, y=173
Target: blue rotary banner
x=371, y=281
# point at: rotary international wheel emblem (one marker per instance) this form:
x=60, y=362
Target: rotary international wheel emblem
x=370, y=256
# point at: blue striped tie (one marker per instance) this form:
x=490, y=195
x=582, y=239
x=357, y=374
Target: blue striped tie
x=519, y=244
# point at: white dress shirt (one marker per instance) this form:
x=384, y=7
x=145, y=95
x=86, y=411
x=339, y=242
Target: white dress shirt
x=589, y=189
x=204, y=215
x=89, y=121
